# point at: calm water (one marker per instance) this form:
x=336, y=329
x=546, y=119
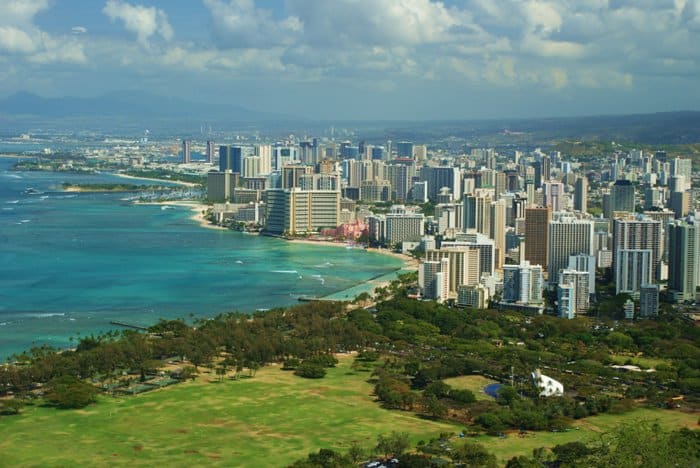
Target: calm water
x=71, y=263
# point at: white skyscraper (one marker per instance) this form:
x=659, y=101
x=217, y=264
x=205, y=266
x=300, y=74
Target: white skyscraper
x=567, y=236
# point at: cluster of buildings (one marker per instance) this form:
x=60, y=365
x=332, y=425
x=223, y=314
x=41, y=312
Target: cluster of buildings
x=508, y=228
x=535, y=209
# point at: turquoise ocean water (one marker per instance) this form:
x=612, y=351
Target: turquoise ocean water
x=71, y=263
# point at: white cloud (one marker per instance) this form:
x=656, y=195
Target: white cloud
x=21, y=12
x=239, y=24
x=14, y=40
x=145, y=22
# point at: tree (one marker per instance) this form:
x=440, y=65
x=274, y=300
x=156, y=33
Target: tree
x=507, y=395
x=571, y=452
x=310, y=370
x=473, y=454
x=394, y=444
x=11, y=406
x=433, y=406
x=70, y=392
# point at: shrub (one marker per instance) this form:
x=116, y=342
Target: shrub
x=310, y=370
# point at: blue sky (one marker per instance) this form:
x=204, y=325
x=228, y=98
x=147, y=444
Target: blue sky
x=364, y=59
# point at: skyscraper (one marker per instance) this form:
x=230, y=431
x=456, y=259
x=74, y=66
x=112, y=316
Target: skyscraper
x=581, y=194
x=186, y=156
x=230, y=158
x=210, y=152
x=537, y=235
x=477, y=212
x=567, y=236
x=639, y=233
x=522, y=283
x=632, y=270
x=404, y=149
x=622, y=196
x=683, y=259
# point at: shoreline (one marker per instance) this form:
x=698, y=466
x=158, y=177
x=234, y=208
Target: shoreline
x=409, y=263
x=195, y=207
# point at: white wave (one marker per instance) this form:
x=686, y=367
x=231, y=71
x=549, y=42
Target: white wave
x=13, y=176
x=240, y=262
x=25, y=221
x=47, y=314
x=7, y=208
x=12, y=202
x=288, y=272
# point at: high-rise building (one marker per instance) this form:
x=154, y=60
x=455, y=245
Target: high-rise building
x=649, y=300
x=581, y=194
x=553, y=195
x=295, y=211
x=211, y=149
x=439, y=177
x=404, y=149
x=567, y=236
x=498, y=230
x=475, y=297
x=582, y=288
x=477, y=211
x=400, y=176
x=463, y=262
x=683, y=167
x=632, y=270
x=220, y=186
x=264, y=152
x=683, y=259
x=230, y=158
x=186, y=156
x=523, y=283
x=402, y=225
x=679, y=203
x=566, y=300
x=640, y=233
x=537, y=235
x=622, y=196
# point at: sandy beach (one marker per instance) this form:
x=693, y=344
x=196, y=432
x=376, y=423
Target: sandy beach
x=410, y=263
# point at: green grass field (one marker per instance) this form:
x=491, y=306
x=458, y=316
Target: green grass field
x=474, y=383
x=269, y=420
x=583, y=430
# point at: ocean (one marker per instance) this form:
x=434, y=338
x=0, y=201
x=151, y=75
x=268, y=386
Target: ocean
x=73, y=262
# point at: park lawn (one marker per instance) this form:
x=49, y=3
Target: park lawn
x=271, y=419
x=474, y=383
x=583, y=430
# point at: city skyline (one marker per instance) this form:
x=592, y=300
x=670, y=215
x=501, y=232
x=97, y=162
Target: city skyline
x=413, y=59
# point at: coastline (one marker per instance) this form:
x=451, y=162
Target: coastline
x=197, y=209
x=371, y=284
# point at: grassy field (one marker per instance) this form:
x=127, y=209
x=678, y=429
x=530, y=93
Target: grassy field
x=475, y=383
x=584, y=430
x=269, y=420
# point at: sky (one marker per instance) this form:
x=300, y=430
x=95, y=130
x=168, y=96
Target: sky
x=364, y=59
